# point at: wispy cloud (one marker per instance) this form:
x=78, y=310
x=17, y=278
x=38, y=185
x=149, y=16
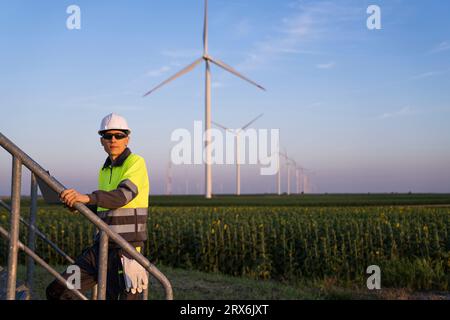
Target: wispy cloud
x=406, y=111
x=429, y=74
x=158, y=72
x=443, y=46
x=308, y=24
x=328, y=65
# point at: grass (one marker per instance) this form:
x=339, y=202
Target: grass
x=195, y=285
x=308, y=200
x=303, y=200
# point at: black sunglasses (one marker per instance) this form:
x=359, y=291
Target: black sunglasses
x=118, y=136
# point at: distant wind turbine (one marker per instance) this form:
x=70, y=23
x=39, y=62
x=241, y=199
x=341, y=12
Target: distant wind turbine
x=306, y=183
x=279, y=176
x=300, y=179
x=288, y=174
x=236, y=133
x=310, y=186
x=169, y=179
x=207, y=59
x=298, y=176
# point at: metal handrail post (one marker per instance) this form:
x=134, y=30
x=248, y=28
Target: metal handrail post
x=94, y=291
x=103, y=266
x=32, y=232
x=14, y=227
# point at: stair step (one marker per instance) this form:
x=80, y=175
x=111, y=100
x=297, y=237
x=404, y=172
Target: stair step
x=22, y=291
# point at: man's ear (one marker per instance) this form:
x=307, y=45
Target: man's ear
x=101, y=141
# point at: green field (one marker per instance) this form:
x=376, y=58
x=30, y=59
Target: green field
x=309, y=200
x=305, y=241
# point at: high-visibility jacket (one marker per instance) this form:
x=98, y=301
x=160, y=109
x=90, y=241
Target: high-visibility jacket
x=122, y=198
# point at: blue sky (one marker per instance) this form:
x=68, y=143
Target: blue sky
x=366, y=110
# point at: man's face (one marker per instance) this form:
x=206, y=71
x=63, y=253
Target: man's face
x=114, y=147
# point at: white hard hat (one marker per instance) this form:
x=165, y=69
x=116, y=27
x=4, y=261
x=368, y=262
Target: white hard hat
x=114, y=122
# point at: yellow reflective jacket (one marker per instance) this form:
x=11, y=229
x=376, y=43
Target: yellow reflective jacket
x=122, y=198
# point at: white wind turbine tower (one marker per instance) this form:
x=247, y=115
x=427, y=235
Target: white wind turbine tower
x=169, y=179
x=186, y=181
x=279, y=176
x=208, y=60
x=288, y=174
x=309, y=186
x=299, y=173
x=296, y=167
x=306, y=183
x=236, y=133
x=297, y=181
x=300, y=178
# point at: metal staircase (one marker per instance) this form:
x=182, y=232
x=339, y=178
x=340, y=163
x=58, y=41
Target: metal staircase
x=10, y=289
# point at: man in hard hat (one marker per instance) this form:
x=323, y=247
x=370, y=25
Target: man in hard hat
x=121, y=201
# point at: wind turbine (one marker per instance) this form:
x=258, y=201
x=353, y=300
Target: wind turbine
x=296, y=175
x=208, y=60
x=169, y=179
x=236, y=133
x=186, y=181
x=308, y=185
x=299, y=172
x=279, y=175
x=288, y=175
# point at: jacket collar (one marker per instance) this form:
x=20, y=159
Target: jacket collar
x=119, y=160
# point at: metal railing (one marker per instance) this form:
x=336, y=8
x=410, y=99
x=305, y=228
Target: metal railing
x=20, y=159
x=32, y=232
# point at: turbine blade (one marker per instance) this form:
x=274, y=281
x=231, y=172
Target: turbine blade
x=219, y=125
x=248, y=124
x=205, y=29
x=176, y=75
x=231, y=70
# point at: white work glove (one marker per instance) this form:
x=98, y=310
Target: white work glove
x=136, y=278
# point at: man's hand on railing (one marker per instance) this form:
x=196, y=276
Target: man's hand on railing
x=70, y=196
x=136, y=278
